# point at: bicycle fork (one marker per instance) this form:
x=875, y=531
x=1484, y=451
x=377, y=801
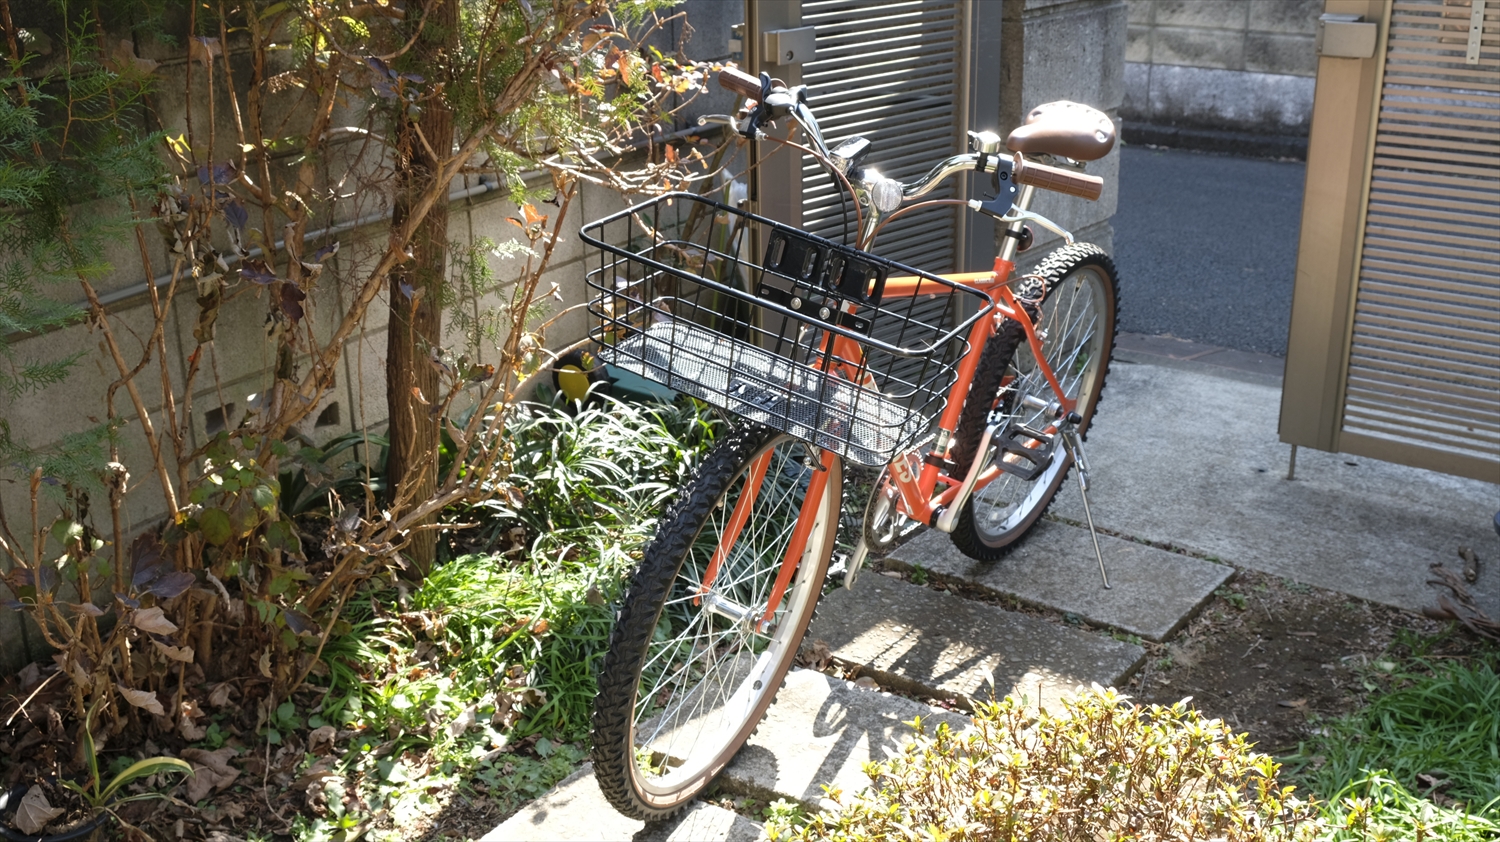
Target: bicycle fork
x=806, y=518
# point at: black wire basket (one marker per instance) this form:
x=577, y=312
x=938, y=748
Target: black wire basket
x=752, y=316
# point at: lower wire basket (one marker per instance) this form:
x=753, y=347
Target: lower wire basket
x=825, y=409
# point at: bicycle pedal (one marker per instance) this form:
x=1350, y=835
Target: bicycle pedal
x=1032, y=459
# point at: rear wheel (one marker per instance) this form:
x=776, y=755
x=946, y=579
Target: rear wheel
x=688, y=676
x=1077, y=317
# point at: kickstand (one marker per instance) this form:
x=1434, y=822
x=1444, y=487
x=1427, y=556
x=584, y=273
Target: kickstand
x=1075, y=447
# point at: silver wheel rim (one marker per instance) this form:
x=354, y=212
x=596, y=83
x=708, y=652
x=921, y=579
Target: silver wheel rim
x=1072, y=318
x=707, y=670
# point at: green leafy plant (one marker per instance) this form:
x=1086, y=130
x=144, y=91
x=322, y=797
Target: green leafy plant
x=101, y=796
x=1378, y=807
x=918, y=575
x=1238, y=600
x=1422, y=751
x=1102, y=768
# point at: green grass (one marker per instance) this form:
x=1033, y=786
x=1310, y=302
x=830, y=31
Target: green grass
x=1421, y=761
x=1378, y=808
x=483, y=677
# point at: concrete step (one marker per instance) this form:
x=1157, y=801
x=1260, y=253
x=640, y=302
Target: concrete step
x=1218, y=485
x=1153, y=592
x=821, y=731
x=917, y=639
x=575, y=810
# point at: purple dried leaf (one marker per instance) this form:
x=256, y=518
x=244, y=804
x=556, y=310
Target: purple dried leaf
x=127, y=601
x=291, y=302
x=256, y=271
x=325, y=252
x=145, y=559
x=220, y=173
x=236, y=215
x=298, y=622
x=172, y=584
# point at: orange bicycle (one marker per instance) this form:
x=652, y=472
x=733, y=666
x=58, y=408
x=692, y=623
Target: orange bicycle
x=975, y=416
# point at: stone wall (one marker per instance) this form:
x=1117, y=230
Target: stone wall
x=1072, y=50
x=1235, y=75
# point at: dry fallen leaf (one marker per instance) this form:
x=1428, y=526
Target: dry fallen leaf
x=151, y=620
x=144, y=699
x=190, y=730
x=176, y=653
x=321, y=739
x=219, y=697
x=1296, y=704
x=865, y=682
x=211, y=771
x=817, y=656
x=1303, y=634
x=1432, y=781
x=463, y=721
x=204, y=50
x=34, y=811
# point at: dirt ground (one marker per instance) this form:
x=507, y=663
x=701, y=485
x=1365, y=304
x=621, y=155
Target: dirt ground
x=1270, y=657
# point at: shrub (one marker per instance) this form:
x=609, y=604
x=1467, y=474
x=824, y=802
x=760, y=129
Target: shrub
x=1103, y=769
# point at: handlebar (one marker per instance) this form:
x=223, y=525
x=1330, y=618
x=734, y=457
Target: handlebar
x=1058, y=180
x=1025, y=172
x=740, y=82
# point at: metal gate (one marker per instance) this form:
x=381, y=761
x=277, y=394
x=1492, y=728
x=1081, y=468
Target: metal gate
x=1420, y=379
x=910, y=75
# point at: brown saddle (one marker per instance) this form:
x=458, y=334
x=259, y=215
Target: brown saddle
x=1064, y=128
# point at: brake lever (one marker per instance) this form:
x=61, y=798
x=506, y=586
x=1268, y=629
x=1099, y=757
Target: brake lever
x=1018, y=215
x=1015, y=214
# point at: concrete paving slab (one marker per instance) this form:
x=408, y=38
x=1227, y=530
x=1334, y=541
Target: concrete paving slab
x=822, y=730
x=576, y=811
x=1183, y=456
x=915, y=638
x=1153, y=592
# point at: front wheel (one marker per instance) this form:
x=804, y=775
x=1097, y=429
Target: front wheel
x=688, y=674
x=1077, y=317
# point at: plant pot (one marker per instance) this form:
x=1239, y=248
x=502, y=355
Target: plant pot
x=10, y=800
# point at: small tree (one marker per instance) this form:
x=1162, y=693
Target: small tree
x=405, y=102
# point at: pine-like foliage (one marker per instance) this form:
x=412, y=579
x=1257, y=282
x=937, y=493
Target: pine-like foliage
x=73, y=148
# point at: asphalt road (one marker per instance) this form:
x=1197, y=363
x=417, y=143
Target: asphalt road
x=1207, y=246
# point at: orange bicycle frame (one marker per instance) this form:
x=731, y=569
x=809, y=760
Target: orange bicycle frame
x=916, y=488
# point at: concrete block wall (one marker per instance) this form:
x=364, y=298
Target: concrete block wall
x=244, y=358
x=1072, y=50
x=1235, y=75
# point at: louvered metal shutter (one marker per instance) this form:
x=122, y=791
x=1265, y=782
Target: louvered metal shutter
x=1423, y=376
x=889, y=71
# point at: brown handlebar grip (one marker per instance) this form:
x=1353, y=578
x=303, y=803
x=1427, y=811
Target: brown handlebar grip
x=740, y=82
x=1059, y=181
